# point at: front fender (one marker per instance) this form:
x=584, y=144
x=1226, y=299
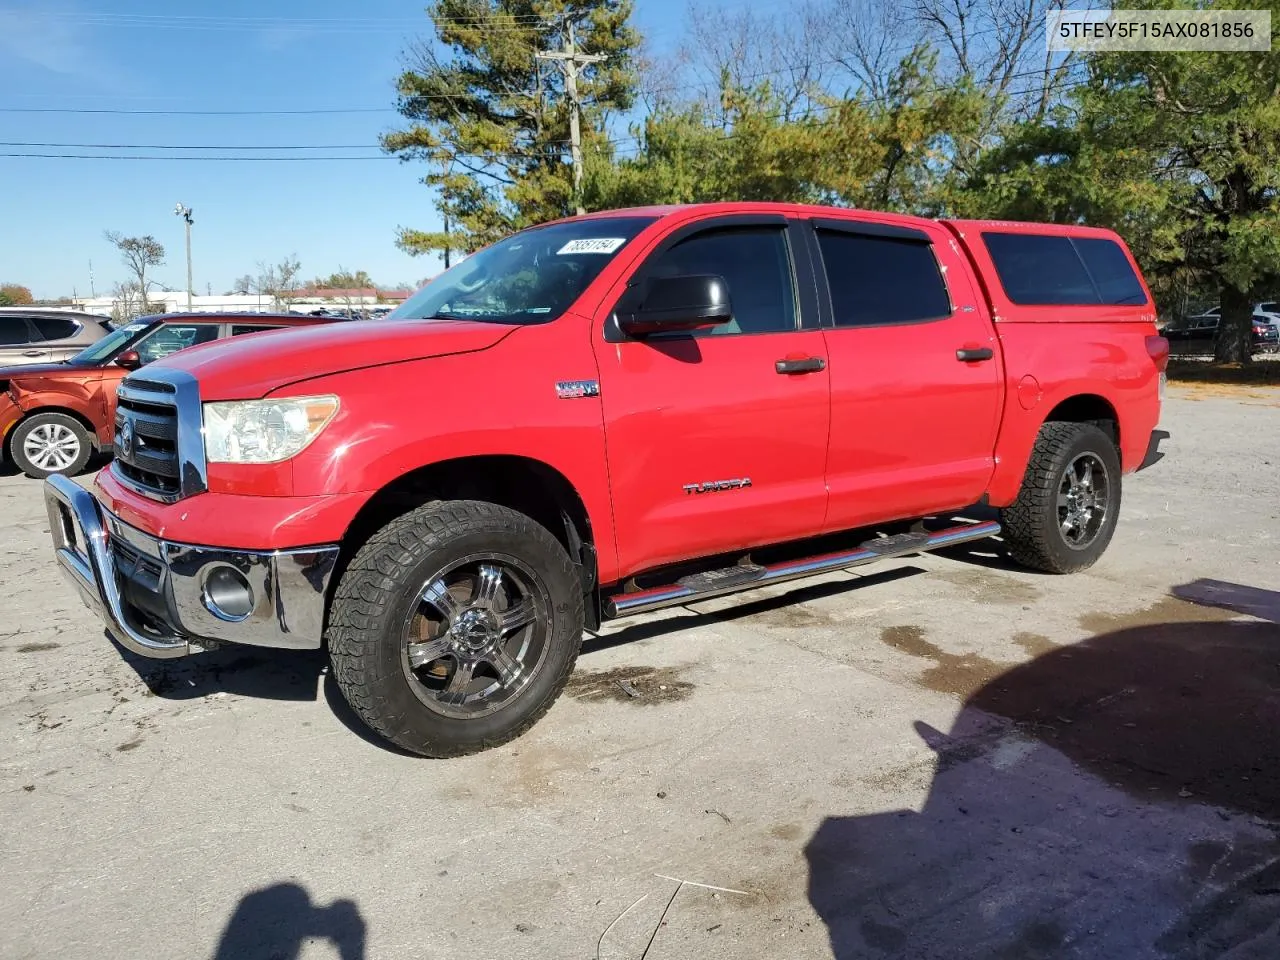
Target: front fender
x=502, y=401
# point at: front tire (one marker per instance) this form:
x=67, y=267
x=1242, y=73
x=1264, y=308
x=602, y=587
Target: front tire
x=456, y=627
x=45, y=444
x=1066, y=511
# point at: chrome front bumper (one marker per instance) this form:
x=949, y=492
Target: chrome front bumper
x=152, y=594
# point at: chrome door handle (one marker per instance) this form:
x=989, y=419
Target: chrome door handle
x=33, y=353
x=800, y=365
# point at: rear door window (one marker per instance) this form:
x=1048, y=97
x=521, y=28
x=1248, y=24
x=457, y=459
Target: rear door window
x=13, y=331
x=877, y=280
x=55, y=328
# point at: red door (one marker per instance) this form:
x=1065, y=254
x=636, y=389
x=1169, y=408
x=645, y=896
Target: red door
x=710, y=447
x=916, y=387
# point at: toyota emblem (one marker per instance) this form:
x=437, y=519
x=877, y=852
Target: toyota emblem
x=126, y=438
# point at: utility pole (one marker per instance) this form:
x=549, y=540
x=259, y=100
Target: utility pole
x=572, y=61
x=186, y=214
x=92, y=294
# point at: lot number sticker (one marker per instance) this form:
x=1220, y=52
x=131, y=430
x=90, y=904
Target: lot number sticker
x=597, y=245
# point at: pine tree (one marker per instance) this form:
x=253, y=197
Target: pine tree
x=491, y=120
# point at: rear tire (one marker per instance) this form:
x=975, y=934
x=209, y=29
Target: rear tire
x=456, y=627
x=45, y=444
x=1066, y=511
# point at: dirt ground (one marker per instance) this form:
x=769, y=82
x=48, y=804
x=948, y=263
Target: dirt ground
x=939, y=757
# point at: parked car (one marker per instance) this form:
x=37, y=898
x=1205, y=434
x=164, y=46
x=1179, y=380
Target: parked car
x=1196, y=335
x=54, y=416
x=642, y=408
x=30, y=335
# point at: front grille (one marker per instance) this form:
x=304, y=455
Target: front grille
x=146, y=441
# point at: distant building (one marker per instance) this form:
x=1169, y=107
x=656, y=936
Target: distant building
x=299, y=301
x=312, y=298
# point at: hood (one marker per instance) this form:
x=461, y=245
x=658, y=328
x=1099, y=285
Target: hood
x=250, y=366
x=49, y=371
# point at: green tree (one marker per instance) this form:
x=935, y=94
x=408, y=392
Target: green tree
x=1180, y=153
x=893, y=151
x=491, y=120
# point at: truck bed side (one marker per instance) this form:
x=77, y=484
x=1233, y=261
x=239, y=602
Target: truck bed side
x=1065, y=360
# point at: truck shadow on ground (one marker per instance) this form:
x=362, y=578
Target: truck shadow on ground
x=276, y=922
x=1119, y=797
x=262, y=673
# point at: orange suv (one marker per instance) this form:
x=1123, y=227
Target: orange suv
x=54, y=416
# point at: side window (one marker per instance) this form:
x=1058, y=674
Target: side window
x=240, y=328
x=1040, y=271
x=1116, y=282
x=880, y=280
x=755, y=262
x=170, y=338
x=55, y=328
x=13, y=331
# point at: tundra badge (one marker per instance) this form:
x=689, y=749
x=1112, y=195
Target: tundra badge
x=713, y=485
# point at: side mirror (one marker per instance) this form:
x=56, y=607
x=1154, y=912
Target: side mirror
x=129, y=360
x=677, y=303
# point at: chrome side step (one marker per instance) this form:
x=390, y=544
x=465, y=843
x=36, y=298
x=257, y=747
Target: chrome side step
x=717, y=583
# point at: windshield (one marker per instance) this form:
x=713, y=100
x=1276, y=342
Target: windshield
x=108, y=346
x=529, y=277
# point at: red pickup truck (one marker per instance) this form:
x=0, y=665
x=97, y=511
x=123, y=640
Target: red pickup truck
x=606, y=415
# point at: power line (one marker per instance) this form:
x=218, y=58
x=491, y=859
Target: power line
x=210, y=146
x=200, y=113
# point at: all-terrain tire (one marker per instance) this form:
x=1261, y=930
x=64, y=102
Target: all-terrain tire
x=1033, y=529
x=381, y=588
x=72, y=442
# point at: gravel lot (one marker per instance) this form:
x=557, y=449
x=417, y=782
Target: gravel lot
x=943, y=758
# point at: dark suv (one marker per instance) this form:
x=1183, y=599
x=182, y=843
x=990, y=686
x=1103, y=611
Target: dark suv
x=54, y=415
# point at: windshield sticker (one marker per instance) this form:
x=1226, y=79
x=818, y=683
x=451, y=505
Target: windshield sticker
x=593, y=245
x=135, y=327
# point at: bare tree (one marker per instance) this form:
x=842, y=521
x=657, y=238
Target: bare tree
x=125, y=302
x=286, y=278
x=243, y=285
x=139, y=254
x=744, y=49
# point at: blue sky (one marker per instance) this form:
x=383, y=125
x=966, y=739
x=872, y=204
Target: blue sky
x=212, y=55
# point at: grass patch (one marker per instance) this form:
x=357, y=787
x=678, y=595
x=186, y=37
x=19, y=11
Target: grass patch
x=1264, y=373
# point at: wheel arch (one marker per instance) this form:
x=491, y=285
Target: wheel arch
x=1088, y=408
x=65, y=411
x=529, y=486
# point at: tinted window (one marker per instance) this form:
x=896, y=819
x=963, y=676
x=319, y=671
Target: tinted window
x=1040, y=270
x=240, y=328
x=756, y=265
x=1271, y=307
x=55, y=328
x=1110, y=269
x=13, y=330
x=171, y=338
x=877, y=280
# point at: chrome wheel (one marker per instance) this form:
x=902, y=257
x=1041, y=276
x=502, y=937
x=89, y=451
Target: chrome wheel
x=1083, y=496
x=476, y=635
x=51, y=447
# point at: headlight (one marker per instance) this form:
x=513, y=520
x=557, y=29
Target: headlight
x=264, y=431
